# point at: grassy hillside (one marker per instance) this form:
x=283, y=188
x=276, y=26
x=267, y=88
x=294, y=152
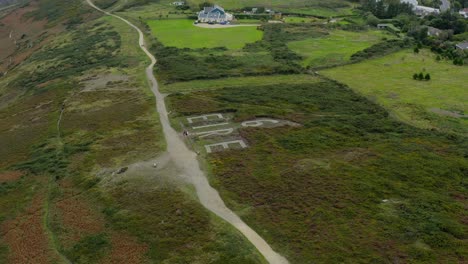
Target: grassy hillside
x=439, y=103
x=351, y=184
x=74, y=115
x=336, y=47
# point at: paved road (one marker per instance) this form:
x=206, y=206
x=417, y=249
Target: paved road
x=187, y=162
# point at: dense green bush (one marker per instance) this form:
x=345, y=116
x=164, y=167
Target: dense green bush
x=89, y=249
x=381, y=49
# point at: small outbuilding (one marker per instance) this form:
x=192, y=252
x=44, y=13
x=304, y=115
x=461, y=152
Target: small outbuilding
x=462, y=46
x=389, y=27
x=464, y=12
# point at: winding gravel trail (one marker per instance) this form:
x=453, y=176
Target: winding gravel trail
x=186, y=161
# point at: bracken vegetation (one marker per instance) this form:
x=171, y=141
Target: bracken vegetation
x=351, y=183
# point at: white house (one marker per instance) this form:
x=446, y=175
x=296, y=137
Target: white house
x=421, y=10
x=214, y=14
x=464, y=12
x=178, y=3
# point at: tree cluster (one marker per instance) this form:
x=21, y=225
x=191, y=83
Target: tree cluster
x=386, y=8
x=458, y=61
x=421, y=76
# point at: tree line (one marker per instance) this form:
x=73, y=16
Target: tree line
x=386, y=8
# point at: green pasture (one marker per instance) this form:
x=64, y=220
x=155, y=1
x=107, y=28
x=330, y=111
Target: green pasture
x=181, y=33
x=199, y=85
x=389, y=82
x=335, y=48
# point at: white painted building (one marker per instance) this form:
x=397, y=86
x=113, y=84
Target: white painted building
x=464, y=12
x=421, y=10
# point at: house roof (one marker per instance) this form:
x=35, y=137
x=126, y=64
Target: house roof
x=463, y=45
x=208, y=9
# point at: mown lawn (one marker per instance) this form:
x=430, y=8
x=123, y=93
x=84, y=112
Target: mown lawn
x=351, y=185
x=181, y=33
x=389, y=82
x=335, y=48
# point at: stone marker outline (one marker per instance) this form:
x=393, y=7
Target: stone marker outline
x=225, y=145
x=219, y=132
x=204, y=117
x=211, y=125
x=258, y=122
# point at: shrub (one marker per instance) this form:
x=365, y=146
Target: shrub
x=427, y=77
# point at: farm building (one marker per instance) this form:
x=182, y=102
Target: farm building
x=464, y=12
x=421, y=10
x=389, y=27
x=214, y=14
x=462, y=46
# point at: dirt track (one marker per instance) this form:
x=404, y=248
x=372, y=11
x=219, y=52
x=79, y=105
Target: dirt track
x=187, y=163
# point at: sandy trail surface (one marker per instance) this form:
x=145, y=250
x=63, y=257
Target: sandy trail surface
x=187, y=163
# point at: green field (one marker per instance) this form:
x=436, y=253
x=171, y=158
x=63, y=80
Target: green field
x=389, y=82
x=335, y=48
x=233, y=82
x=183, y=34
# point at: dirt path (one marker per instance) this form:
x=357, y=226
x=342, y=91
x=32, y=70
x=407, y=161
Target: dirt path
x=187, y=162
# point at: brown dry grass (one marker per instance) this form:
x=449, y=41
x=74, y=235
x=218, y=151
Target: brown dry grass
x=126, y=249
x=23, y=31
x=26, y=237
x=8, y=176
x=76, y=216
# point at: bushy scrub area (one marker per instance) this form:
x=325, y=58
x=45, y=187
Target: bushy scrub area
x=72, y=56
x=270, y=55
x=439, y=104
x=350, y=184
x=62, y=201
